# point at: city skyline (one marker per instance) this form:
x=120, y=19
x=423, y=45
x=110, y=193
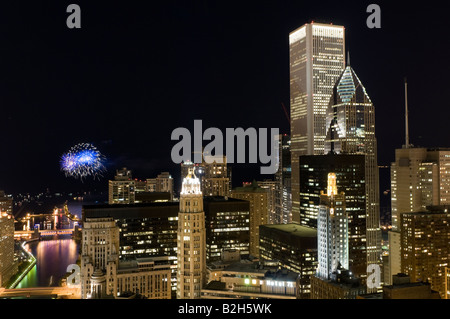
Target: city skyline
x=123, y=68
x=101, y=112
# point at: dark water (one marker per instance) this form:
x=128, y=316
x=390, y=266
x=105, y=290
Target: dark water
x=53, y=255
x=52, y=258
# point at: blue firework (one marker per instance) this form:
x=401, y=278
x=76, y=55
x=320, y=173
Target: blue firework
x=83, y=160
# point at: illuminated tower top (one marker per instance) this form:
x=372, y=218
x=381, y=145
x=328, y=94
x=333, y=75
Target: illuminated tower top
x=191, y=184
x=332, y=231
x=332, y=186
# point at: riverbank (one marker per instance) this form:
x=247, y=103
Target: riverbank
x=23, y=268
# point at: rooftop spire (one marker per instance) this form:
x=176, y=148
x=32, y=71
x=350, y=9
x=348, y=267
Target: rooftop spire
x=407, y=145
x=348, y=58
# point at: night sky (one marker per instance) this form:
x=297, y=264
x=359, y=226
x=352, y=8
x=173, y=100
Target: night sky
x=137, y=70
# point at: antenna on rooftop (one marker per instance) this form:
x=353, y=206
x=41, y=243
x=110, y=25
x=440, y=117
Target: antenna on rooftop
x=407, y=145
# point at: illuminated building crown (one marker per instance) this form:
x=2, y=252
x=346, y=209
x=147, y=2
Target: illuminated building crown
x=349, y=89
x=191, y=184
x=332, y=185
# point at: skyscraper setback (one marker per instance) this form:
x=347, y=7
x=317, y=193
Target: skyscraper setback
x=317, y=60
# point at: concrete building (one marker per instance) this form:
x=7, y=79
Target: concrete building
x=6, y=203
x=425, y=246
x=420, y=177
x=121, y=190
x=146, y=230
x=258, y=198
x=283, y=193
x=227, y=223
x=164, y=183
x=253, y=280
x=271, y=187
x=317, y=60
x=340, y=285
x=215, y=176
x=351, y=130
x=350, y=173
x=8, y=267
x=295, y=248
x=104, y=276
x=191, y=239
x=332, y=231
x=403, y=288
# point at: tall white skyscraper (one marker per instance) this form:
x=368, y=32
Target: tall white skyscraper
x=191, y=240
x=332, y=231
x=317, y=60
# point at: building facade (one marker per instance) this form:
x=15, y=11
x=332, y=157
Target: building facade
x=104, y=276
x=227, y=222
x=164, y=183
x=259, y=215
x=351, y=130
x=121, y=190
x=419, y=178
x=332, y=231
x=295, y=248
x=8, y=267
x=191, y=239
x=253, y=280
x=317, y=60
x=425, y=246
x=216, y=179
x=6, y=203
x=271, y=187
x=283, y=193
x=350, y=173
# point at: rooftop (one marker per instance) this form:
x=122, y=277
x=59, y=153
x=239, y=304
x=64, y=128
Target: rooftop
x=294, y=229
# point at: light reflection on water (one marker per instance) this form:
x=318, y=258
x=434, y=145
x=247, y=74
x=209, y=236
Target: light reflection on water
x=52, y=258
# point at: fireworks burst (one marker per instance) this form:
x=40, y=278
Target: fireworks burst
x=83, y=160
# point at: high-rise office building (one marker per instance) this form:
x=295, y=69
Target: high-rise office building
x=215, y=178
x=317, y=60
x=8, y=267
x=227, y=226
x=425, y=246
x=257, y=197
x=191, y=240
x=332, y=231
x=295, y=248
x=351, y=130
x=146, y=230
x=333, y=279
x=283, y=194
x=420, y=177
x=150, y=229
x=271, y=187
x=164, y=183
x=104, y=276
x=121, y=189
x=350, y=171
x=6, y=203
x=99, y=256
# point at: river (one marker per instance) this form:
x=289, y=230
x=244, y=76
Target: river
x=52, y=258
x=52, y=255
